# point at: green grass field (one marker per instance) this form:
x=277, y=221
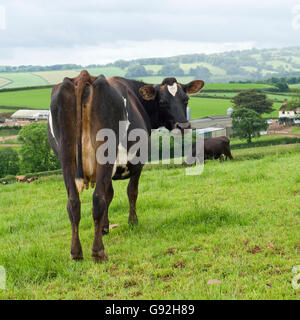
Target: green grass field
x=191, y=230
x=203, y=107
x=295, y=86
x=12, y=101
x=235, y=86
x=25, y=79
x=30, y=79
x=34, y=99
x=274, y=97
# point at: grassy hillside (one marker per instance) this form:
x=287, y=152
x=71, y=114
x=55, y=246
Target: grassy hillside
x=202, y=107
x=192, y=229
x=295, y=86
x=12, y=101
x=16, y=80
x=224, y=67
x=26, y=79
x=33, y=99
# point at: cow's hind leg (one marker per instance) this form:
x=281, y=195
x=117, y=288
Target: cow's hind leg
x=132, y=192
x=73, y=208
x=108, y=199
x=100, y=207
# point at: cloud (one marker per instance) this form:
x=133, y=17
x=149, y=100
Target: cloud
x=106, y=53
x=58, y=28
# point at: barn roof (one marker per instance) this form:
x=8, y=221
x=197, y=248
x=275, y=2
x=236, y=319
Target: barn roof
x=30, y=114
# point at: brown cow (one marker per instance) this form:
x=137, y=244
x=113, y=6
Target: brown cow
x=214, y=148
x=84, y=106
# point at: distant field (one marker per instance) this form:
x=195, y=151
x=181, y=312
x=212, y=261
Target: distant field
x=235, y=86
x=54, y=77
x=202, y=107
x=40, y=99
x=159, y=79
x=107, y=71
x=16, y=80
x=3, y=82
x=274, y=97
x=216, y=71
x=295, y=86
x=153, y=67
x=25, y=79
x=36, y=99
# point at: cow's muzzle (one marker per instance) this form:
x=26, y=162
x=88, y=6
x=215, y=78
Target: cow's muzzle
x=182, y=126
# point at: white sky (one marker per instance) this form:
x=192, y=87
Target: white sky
x=98, y=31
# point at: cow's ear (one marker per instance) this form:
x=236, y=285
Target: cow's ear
x=194, y=86
x=148, y=92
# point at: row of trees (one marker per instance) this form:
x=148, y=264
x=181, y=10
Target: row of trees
x=35, y=154
x=168, y=70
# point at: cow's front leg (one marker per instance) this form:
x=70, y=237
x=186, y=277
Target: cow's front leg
x=132, y=192
x=104, y=173
x=73, y=208
x=108, y=199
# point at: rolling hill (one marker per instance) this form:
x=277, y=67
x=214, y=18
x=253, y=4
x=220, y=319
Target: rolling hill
x=244, y=65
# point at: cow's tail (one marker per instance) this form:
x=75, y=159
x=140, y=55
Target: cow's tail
x=82, y=82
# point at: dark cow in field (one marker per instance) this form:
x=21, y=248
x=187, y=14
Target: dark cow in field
x=214, y=148
x=82, y=106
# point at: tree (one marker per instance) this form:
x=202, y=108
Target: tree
x=252, y=100
x=35, y=153
x=136, y=70
x=200, y=73
x=282, y=86
x=247, y=124
x=294, y=103
x=170, y=70
x=9, y=162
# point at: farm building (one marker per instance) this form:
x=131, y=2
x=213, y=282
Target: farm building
x=287, y=116
x=221, y=122
x=32, y=115
x=212, y=132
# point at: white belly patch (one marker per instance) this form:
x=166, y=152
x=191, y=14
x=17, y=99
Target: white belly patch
x=51, y=126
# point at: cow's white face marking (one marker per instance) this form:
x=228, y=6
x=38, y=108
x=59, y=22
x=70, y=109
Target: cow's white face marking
x=173, y=89
x=125, y=101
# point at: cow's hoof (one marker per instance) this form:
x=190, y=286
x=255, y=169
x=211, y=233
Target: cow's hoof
x=76, y=257
x=100, y=256
x=105, y=231
x=133, y=222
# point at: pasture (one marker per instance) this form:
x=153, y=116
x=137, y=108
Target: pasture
x=201, y=106
x=12, y=101
x=21, y=79
x=31, y=79
x=191, y=229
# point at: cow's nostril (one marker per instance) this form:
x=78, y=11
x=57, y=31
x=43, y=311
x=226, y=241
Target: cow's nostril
x=182, y=126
